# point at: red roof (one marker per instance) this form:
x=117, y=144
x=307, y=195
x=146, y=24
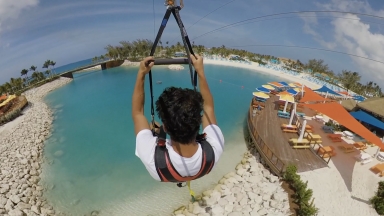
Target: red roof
x=311, y=96
x=337, y=112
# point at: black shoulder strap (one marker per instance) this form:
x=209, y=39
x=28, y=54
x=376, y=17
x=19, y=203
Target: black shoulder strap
x=209, y=158
x=166, y=171
x=161, y=158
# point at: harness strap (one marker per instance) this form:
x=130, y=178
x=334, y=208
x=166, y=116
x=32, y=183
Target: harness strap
x=167, y=171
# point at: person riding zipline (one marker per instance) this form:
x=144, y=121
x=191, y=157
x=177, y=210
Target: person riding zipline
x=186, y=155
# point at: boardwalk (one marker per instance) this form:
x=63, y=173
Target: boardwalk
x=268, y=124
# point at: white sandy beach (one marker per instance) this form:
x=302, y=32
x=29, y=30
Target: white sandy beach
x=342, y=189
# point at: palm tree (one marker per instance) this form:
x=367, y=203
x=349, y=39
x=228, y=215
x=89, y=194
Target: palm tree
x=46, y=65
x=52, y=63
x=24, y=72
x=32, y=68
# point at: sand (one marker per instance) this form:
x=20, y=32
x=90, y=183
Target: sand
x=257, y=68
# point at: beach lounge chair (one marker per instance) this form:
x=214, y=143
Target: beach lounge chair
x=300, y=114
x=328, y=129
x=290, y=130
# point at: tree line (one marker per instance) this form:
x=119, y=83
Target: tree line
x=349, y=80
x=17, y=84
x=138, y=49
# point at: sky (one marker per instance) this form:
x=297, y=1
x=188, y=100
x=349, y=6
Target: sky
x=32, y=31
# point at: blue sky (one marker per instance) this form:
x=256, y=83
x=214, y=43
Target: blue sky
x=32, y=31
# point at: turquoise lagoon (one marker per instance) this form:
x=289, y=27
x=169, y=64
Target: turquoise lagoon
x=91, y=163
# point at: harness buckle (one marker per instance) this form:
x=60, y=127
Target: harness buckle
x=160, y=142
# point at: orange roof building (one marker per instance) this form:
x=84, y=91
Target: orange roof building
x=337, y=112
x=311, y=96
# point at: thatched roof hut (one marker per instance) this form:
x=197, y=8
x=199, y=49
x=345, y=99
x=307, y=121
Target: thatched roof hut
x=349, y=105
x=373, y=105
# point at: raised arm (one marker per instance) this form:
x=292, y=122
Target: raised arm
x=209, y=109
x=138, y=97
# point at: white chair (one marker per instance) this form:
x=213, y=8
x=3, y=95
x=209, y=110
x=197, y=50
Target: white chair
x=366, y=161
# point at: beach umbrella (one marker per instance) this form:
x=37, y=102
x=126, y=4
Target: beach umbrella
x=292, y=114
x=302, y=130
x=288, y=98
x=292, y=92
x=285, y=107
x=284, y=84
x=292, y=85
x=262, y=89
x=297, y=89
x=268, y=87
x=260, y=95
x=276, y=84
x=283, y=93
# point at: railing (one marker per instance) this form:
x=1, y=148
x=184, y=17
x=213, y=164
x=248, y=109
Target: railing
x=85, y=66
x=274, y=162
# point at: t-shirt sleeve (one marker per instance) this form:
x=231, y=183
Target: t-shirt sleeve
x=145, y=146
x=216, y=139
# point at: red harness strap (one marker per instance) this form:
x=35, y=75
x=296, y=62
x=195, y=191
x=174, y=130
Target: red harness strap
x=167, y=171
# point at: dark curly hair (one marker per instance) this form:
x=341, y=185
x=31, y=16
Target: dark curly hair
x=180, y=110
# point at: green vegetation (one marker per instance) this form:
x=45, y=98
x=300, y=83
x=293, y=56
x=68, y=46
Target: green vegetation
x=303, y=195
x=138, y=49
x=378, y=200
x=23, y=83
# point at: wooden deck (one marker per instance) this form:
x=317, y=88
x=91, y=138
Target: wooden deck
x=268, y=126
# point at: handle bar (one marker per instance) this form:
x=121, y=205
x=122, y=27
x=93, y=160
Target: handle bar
x=170, y=61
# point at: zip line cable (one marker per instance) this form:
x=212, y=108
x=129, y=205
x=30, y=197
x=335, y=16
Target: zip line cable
x=210, y=13
x=276, y=18
x=154, y=20
x=312, y=48
x=207, y=15
x=285, y=13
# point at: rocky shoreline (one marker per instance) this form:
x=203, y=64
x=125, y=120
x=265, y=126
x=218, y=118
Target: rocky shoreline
x=252, y=191
x=21, y=156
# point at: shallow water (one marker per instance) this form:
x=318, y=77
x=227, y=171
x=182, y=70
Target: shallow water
x=92, y=145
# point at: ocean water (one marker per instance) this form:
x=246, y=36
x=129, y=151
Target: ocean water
x=72, y=66
x=91, y=163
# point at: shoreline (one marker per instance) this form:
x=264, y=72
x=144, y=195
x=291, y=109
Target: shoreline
x=21, y=155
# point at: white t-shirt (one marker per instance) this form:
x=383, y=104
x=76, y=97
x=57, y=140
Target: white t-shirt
x=146, y=145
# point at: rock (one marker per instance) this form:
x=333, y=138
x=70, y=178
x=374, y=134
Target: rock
x=222, y=202
x=240, y=172
x=217, y=210
x=262, y=212
x=4, y=188
x=46, y=211
x=228, y=208
x=207, y=193
x=58, y=153
x=24, y=161
x=35, y=209
x=179, y=210
x=15, y=212
x=3, y=201
x=229, y=175
x=235, y=214
x=197, y=210
x=15, y=199
x=266, y=197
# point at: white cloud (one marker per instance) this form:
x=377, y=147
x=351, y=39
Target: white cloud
x=350, y=34
x=310, y=22
x=357, y=38
x=11, y=9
